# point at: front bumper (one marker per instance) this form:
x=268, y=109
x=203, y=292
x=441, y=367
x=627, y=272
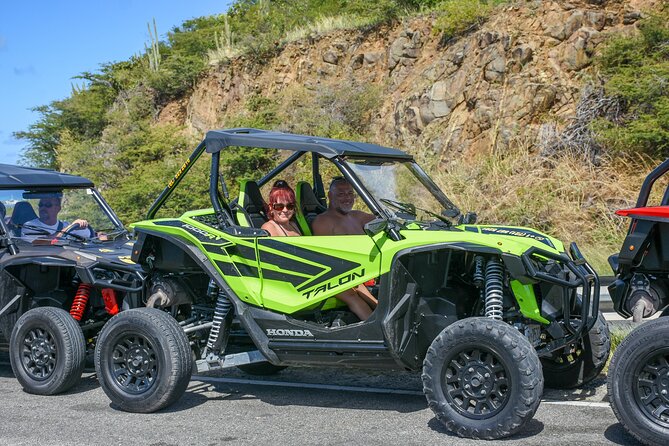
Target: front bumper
x=582, y=276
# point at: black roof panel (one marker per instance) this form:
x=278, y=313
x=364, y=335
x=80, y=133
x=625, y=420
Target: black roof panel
x=217, y=140
x=15, y=177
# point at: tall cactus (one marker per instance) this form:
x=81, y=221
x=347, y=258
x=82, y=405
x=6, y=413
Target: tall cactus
x=154, y=51
x=225, y=42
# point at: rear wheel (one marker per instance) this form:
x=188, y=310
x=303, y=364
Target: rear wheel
x=482, y=379
x=47, y=351
x=638, y=385
x=582, y=364
x=143, y=360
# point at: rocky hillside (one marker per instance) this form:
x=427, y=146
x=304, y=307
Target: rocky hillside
x=524, y=68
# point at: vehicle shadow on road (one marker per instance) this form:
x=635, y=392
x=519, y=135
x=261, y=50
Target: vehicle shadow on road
x=533, y=427
x=595, y=388
x=326, y=398
x=617, y=434
x=6, y=371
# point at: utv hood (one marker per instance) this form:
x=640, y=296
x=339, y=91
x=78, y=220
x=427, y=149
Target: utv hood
x=524, y=237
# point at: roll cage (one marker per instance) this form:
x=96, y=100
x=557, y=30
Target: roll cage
x=336, y=151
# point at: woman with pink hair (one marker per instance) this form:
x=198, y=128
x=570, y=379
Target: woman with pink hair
x=281, y=211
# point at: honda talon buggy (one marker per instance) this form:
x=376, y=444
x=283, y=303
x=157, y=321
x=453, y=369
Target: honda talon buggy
x=480, y=310
x=638, y=380
x=59, y=285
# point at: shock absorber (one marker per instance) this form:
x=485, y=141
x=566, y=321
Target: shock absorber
x=80, y=300
x=479, y=275
x=494, y=286
x=220, y=326
x=109, y=298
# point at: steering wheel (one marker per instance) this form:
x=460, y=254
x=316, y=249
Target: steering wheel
x=67, y=232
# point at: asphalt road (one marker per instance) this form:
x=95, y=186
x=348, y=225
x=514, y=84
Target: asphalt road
x=300, y=406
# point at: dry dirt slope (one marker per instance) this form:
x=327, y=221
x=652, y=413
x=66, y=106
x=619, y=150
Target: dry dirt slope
x=524, y=67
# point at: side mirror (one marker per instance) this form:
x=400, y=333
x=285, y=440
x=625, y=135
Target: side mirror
x=468, y=219
x=376, y=226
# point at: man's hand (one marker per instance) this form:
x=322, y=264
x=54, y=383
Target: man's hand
x=83, y=224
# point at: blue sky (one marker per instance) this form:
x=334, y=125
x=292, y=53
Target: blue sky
x=45, y=43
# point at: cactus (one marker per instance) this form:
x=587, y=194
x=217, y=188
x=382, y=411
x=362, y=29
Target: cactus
x=154, y=52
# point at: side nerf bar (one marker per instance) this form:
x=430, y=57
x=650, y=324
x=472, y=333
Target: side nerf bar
x=584, y=276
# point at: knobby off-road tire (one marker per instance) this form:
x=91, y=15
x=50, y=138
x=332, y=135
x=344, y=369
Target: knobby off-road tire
x=261, y=368
x=143, y=360
x=638, y=385
x=482, y=379
x=47, y=351
x=573, y=370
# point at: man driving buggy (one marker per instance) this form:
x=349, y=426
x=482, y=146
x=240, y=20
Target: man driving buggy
x=47, y=223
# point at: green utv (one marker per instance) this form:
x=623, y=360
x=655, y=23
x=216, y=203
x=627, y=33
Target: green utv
x=486, y=313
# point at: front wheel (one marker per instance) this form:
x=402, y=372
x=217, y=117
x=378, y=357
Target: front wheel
x=482, y=379
x=582, y=364
x=143, y=360
x=47, y=351
x=638, y=383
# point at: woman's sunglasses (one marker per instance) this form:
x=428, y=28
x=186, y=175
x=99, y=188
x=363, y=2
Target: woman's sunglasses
x=282, y=206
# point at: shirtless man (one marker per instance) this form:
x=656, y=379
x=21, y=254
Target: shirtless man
x=341, y=219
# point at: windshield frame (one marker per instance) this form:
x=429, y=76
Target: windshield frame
x=373, y=202
x=103, y=205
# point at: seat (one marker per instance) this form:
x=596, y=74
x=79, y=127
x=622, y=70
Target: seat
x=251, y=210
x=308, y=205
x=23, y=212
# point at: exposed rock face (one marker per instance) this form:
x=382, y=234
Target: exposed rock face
x=523, y=67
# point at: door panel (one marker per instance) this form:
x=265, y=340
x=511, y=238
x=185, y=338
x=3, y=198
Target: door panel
x=300, y=272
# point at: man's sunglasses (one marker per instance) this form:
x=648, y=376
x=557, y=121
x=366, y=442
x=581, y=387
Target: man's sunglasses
x=45, y=205
x=282, y=206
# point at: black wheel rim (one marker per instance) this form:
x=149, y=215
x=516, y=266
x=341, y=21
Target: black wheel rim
x=476, y=382
x=651, y=386
x=133, y=365
x=39, y=353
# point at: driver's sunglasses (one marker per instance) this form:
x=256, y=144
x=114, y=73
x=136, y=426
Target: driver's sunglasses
x=45, y=204
x=282, y=206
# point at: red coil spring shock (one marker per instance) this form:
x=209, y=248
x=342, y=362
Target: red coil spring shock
x=109, y=297
x=80, y=301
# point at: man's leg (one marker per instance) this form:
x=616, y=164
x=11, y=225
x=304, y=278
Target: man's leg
x=355, y=303
x=365, y=295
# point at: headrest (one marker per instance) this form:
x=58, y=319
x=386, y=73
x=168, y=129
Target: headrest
x=308, y=200
x=252, y=199
x=23, y=212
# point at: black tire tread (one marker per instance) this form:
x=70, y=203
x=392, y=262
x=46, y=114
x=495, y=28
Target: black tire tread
x=646, y=337
x=72, y=362
x=525, y=357
x=172, y=338
x=589, y=365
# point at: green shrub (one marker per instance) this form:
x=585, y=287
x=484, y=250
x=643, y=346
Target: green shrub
x=636, y=70
x=457, y=16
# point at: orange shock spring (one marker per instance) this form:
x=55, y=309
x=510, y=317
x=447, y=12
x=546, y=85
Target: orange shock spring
x=80, y=301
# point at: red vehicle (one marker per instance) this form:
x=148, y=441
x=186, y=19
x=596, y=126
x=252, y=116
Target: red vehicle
x=638, y=381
